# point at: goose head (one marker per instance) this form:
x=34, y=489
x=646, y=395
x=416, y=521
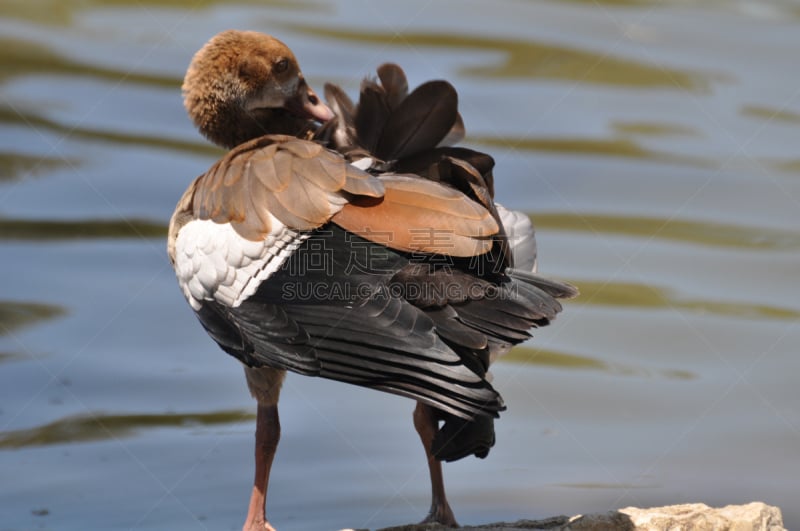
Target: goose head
x=245, y=84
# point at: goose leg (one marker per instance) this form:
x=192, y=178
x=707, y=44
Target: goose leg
x=268, y=432
x=265, y=386
x=426, y=424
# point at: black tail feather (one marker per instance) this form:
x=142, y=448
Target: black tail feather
x=459, y=438
x=394, y=82
x=371, y=116
x=420, y=122
x=554, y=288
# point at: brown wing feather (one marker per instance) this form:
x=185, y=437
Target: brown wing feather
x=361, y=183
x=182, y=215
x=304, y=199
x=413, y=191
x=419, y=215
x=324, y=170
x=298, y=182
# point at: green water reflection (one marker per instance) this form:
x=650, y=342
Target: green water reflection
x=791, y=166
x=530, y=59
x=614, y=2
x=63, y=12
x=15, y=166
x=596, y=485
x=15, y=315
x=561, y=360
x=770, y=114
x=652, y=129
x=20, y=57
x=25, y=117
x=22, y=229
x=101, y=426
x=10, y=356
x=685, y=231
x=634, y=295
x=610, y=147
x=549, y=358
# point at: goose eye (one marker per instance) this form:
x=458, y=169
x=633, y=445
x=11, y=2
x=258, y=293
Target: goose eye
x=281, y=66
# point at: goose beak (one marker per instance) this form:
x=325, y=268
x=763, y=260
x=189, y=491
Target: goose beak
x=307, y=104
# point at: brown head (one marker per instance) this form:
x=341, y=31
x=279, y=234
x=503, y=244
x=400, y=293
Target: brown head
x=245, y=84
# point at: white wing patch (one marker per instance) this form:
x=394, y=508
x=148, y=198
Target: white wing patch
x=521, y=237
x=363, y=164
x=213, y=262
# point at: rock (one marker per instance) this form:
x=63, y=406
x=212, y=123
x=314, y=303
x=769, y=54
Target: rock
x=754, y=516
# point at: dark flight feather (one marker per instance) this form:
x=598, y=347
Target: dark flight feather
x=340, y=130
x=394, y=83
x=420, y=122
x=371, y=116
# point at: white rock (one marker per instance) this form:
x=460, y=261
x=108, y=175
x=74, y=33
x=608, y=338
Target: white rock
x=754, y=516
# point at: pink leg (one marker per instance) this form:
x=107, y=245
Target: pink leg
x=268, y=433
x=426, y=424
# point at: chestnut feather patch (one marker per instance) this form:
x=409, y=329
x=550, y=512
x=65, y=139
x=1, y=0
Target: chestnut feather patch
x=416, y=215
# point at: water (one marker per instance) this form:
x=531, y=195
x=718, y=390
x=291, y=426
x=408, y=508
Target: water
x=655, y=143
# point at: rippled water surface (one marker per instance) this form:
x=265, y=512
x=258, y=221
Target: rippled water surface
x=654, y=142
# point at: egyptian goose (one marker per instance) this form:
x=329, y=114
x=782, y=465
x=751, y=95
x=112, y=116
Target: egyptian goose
x=364, y=250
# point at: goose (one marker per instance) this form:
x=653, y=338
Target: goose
x=352, y=242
